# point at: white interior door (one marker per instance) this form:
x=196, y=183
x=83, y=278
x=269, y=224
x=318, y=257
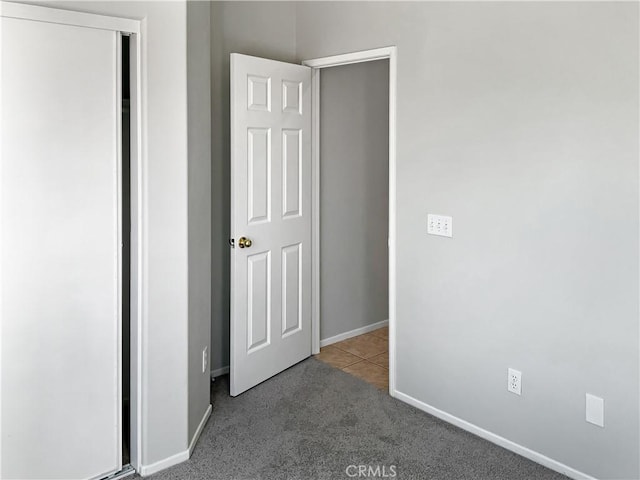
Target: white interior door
x=59, y=251
x=270, y=206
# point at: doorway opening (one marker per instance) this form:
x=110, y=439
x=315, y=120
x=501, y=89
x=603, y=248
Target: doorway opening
x=354, y=219
x=354, y=213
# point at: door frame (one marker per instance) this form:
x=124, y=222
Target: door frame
x=136, y=30
x=317, y=64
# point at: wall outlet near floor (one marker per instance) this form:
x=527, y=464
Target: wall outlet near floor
x=205, y=358
x=439, y=225
x=514, y=381
x=595, y=410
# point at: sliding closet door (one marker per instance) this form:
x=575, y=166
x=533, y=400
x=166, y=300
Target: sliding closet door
x=59, y=251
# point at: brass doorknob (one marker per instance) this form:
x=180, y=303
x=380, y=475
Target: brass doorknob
x=244, y=242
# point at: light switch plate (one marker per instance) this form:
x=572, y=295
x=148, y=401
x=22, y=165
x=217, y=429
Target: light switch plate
x=439, y=225
x=595, y=410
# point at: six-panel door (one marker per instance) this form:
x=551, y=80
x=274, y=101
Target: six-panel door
x=270, y=206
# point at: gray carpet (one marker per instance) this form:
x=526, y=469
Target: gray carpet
x=313, y=421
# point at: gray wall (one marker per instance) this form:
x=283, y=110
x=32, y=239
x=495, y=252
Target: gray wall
x=199, y=177
x=262, y=29
x=354, y=196
x=521, y=121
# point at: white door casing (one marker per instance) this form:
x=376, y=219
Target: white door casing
x=60, y=302
x=271, y=206
x=317, y=64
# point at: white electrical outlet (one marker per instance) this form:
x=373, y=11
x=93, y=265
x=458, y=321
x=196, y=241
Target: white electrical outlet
x=595, y=410
x=205, y=360
x=514, y=381
x=439, y=225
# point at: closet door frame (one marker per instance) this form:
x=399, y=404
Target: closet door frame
x=135, y=29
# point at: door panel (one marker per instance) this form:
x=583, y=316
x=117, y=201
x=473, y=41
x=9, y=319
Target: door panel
x=259, y=175
x=291, y=172
x=291, y=289
x=259, y=301
x=270, y=205
x=59, y=252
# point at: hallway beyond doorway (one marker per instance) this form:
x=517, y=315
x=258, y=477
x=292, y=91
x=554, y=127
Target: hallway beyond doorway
x=365, y=356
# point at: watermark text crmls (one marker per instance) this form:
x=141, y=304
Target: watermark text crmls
x=371, y=471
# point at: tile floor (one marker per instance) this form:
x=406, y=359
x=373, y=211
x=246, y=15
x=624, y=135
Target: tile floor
x=365, y=356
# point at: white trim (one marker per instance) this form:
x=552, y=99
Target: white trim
x=353, y=57
x=139, y=245
x=1, y=237
x=333, y=61
x=315, y=211
x=119, y=244
x=393, y=91
x=496, y=439
x=219, y=371
x=198, y=432
x=68, y=17
x=146, y=470
x=353, y=333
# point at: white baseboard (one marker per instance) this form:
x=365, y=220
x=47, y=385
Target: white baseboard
x=493, y=438
x=198, y=432
x=219, y=371
x=353, y=333
x=146, y=470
